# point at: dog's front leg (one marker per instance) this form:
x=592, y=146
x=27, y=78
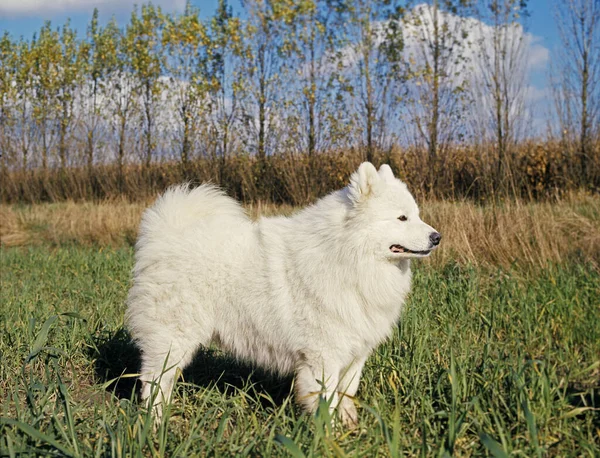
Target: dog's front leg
x=315, y=379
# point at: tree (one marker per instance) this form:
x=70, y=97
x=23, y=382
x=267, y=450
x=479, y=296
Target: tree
x=121, y=101
x=226, y=49
x=501, y=83
x=313, y=122
x=261, y=69
x=186, y=42
x=68, y=79
x=436, y=34
x=98, y=61
x=8, y=96
x=24, y=93
x=576, y=75
x=372, y=56
x=47, y=55
x=143, y=35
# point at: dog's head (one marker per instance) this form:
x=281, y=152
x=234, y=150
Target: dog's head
x=382, y=206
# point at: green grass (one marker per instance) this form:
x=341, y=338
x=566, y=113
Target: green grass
x=484, y=363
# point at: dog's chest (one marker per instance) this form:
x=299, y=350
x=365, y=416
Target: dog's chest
x=378, y=307
x=375, y=324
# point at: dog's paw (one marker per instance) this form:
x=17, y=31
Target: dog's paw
x=347, y=413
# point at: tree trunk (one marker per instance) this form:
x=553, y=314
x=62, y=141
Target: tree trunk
x=149, y=121
x=25, y=149
x=498, y=102
x=90, y=149
x=369, y=105
x=185, y=148
x=62, y=145
x=121, y=154
x=90, y=134
x=261, y=104
x=584, y=132
x=435, y=109
x=311, y=103
x=44, y=149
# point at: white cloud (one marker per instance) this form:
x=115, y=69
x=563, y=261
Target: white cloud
x=479, y=39
x=419, y=29
x=535, y=94
x=467, y=64
x=538, y=54
x=23, y=8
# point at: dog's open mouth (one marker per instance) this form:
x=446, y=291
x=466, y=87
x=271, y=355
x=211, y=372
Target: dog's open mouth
x=400, y=249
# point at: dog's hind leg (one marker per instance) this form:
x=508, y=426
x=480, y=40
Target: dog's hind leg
x=161, y=362
x=158, y=373
x=349, y=380
x=315, y=380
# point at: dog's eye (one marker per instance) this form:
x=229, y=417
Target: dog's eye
x=402, y=218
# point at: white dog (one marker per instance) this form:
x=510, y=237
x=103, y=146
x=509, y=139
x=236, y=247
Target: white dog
x=312, y=294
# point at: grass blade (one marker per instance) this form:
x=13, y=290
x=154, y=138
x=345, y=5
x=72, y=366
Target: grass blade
x=530, y=419
x=38, y=435
x=289, y=445
x=492, y=446
x=578, y=411
x=42, y=337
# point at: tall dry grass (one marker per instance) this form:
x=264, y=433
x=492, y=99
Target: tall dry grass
x=514, y=232
x=517, y=232
x=111, y=223
x=532, y=170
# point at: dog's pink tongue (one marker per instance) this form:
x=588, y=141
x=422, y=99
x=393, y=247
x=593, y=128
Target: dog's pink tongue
x=397, y=249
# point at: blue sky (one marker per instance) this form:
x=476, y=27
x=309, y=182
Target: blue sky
x=24, y=17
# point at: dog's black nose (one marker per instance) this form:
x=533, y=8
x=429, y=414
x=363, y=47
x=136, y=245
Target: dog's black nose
x=435, y=238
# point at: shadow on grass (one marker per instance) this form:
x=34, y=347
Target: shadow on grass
x=116, y=355
x=581, y=396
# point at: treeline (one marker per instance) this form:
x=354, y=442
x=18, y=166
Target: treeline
x=438, y=88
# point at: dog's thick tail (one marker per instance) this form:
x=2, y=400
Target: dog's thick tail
x=180, y=207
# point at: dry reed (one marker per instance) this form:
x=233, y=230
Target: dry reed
x=510, y=233
x=533, y=170
x=518, y=233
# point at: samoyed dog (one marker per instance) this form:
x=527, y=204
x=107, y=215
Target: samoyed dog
x=311, y=295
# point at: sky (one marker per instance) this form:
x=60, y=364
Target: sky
x=25, y=17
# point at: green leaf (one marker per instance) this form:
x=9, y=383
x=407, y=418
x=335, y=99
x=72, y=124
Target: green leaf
x=42, y=337
x=578, y=411
x=74, y=315
x=530, y=419
x=493, y=446
x=289, y=445
x=108, y=383
x=38, y=435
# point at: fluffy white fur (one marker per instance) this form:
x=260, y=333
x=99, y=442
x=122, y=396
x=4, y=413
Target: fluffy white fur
x=312, y=294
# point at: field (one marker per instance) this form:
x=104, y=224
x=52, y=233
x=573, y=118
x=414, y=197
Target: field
x=497, y=353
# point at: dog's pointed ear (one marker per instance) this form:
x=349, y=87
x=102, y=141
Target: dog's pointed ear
x=364, y=182
x=386, y=174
